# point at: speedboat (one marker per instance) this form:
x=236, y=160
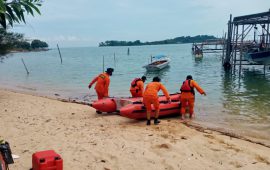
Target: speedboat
x=259, y=57
x=197, y=52
x=158, y=62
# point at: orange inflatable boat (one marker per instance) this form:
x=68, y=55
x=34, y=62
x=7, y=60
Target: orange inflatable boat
x=138, y=111
x=110, y=105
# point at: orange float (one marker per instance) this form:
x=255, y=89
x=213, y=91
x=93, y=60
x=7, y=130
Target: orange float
x=138, y=111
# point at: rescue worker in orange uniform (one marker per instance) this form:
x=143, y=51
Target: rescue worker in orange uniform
x=150, y=96
x=188, y=95
x=103, y=82
x=136, y=87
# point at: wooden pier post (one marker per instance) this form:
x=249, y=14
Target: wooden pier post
x=223, y=49
x=267, y=35
x=233, y=45
x=114, y=59
x=236, y=41
x=241, y=49
x=227, y=64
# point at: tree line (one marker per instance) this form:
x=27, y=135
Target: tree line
x=10, y=41
x=13, y=11
x=177, y=40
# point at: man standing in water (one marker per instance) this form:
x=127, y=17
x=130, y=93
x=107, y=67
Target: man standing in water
x=137, y=87
x=103, y=82
x=150, y=96
x=188, y=95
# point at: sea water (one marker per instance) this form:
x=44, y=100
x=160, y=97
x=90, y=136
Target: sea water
x=236, y=102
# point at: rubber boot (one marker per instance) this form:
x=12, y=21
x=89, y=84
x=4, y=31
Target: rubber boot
x=98, y=112
x=156, y=121
x=182, y=116
x=148, y=122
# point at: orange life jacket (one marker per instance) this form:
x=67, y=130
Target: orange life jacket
x=186, y=87
x=134, y=82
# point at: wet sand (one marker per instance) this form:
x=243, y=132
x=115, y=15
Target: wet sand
x=86, y=140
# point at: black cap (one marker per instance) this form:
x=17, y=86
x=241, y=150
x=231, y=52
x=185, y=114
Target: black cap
x=143, y=78
x=109, y=70
x=189, y=77
x=156, y=79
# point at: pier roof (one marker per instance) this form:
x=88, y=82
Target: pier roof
x=259, y=18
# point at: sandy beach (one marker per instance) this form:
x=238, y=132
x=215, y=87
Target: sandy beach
x=86, y=140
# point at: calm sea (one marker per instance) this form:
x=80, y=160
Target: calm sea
x=240, y=103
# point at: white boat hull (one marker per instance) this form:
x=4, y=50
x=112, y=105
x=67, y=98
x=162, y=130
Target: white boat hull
x=198, y=55
x=151, y=67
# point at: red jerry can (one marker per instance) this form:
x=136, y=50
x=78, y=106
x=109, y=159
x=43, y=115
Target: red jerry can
x=47, y=160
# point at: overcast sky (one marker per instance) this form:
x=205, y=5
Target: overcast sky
x=88, y=22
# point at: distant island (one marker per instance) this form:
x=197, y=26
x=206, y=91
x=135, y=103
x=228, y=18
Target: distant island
x=15, y=42
x=177, y=40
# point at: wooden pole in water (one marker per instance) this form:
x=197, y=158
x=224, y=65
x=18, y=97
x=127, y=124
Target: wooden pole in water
x=233, y=44
x=241, y=50
x=227, y=63
x=59, y=54
x=223, y=50
x=25, y=67
x=267, y=35
x=103, y=64
x=128, y=52
x=114, y=59
x=236, y=41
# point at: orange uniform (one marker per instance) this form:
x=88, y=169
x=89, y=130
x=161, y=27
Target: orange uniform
x=150, y=95
x=188, y=96
x=137, y=89
x=102, y=85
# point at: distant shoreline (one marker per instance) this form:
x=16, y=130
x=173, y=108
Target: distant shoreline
x=23, y=51
x=177, y=40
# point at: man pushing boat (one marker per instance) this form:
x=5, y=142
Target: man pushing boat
x=150, y=96
x=102, y=84
x=137, y=87
x=188, y=96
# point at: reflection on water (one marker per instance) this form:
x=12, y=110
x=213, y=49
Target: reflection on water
x=198, y=59
x=248, y=94
x=246, y=99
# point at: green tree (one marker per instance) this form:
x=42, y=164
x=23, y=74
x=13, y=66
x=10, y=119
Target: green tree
x=38, y=44
x=13, y=10
x=23, y=45
x=8, y=40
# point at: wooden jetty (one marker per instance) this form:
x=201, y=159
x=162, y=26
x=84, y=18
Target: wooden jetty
x=244, y=33
x=209, y=46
